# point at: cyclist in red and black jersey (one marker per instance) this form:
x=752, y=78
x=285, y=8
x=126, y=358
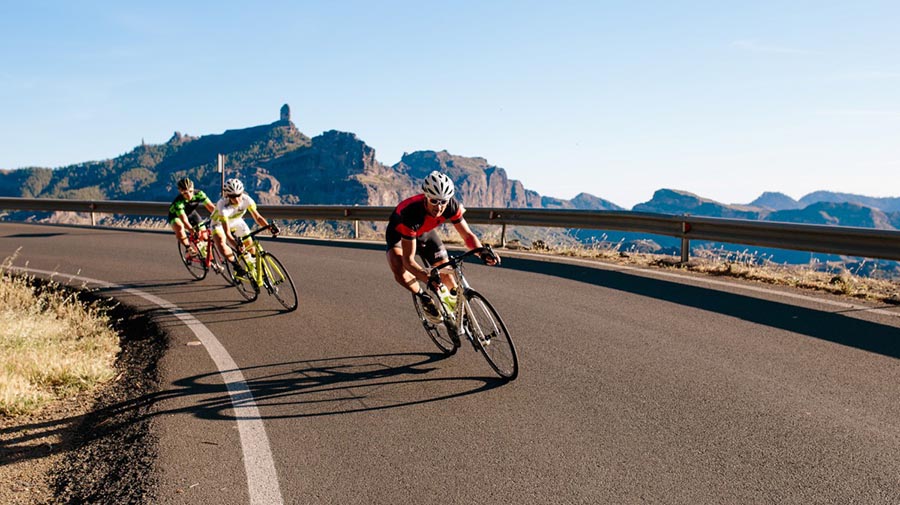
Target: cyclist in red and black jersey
x=412, y=230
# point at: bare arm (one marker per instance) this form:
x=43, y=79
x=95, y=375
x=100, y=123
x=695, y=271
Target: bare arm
x=258, y=217
x=467, y=235
x=472, y=241
x=185, y=221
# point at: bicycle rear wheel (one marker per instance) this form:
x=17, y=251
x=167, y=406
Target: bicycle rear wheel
x=491, y=336
x=278, y=282
x=195, y=265
x=438, y=333
x=245, y=285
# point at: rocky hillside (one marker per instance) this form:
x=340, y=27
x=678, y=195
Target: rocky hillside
x=671, y=201
x=149, y=172
x=775, y=201
x=280, y=165
x=776, y=207
x=882, y=204
x=583, y=201
x=829, y=213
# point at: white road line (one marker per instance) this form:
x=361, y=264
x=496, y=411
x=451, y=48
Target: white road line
x=692, y=279
x=262, y=480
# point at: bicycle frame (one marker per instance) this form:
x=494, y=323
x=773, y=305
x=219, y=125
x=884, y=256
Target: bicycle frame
x=461, y=286
x=197, y=237
x=258, y=263
x=462, y=305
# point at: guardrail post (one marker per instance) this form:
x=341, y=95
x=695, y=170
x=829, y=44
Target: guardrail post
x=496, y=215
x=93, y=216
x=356, y=229
x=685, y=242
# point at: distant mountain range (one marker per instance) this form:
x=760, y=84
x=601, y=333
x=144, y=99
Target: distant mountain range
x=821, y=207
x=281, y=165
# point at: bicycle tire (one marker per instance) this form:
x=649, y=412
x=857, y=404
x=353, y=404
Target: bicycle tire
x=278, y=282
x=195, y=266
x=246, y=286
x=491, y=337
x=438, y=333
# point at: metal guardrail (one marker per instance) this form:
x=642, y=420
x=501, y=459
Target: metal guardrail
x=842, y=240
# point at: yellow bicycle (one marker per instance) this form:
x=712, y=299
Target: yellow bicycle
x=263, y=272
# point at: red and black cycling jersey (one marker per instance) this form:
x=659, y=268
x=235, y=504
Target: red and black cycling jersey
x=411, y=219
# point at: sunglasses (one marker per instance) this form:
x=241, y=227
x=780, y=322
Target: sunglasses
x=233, y=196
x=435, y=201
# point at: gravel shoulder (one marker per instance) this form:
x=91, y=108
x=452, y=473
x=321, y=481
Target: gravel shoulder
x=92, y=448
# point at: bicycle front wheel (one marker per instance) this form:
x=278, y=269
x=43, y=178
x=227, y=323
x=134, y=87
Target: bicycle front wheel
x=195, y=265
x=245, y=284
x=437, y=332
x=491, y=336
x=278, y=282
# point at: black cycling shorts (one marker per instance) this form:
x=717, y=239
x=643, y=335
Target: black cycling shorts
x=429, y=246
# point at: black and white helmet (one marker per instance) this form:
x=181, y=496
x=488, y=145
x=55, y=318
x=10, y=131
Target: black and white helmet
x=233, y=187
x=438, y=186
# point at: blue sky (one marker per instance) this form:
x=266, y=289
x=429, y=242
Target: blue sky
x=615, y=98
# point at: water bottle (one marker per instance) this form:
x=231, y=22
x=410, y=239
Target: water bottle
x=447, y=299
x=248, y=243
x=202, y=248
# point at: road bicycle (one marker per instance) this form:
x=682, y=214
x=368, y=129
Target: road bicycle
x=263, y=272
x=202, y=254
x=473, y=317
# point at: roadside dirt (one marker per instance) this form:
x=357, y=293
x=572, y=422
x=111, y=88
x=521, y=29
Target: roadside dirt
x=94, y=448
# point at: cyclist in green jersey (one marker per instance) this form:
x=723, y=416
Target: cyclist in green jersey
x=183, y=215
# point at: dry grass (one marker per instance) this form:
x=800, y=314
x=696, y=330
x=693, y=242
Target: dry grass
x=52, y=345
x=747, y=266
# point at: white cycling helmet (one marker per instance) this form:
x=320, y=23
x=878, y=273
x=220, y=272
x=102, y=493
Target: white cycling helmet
x=438, y=186
x=233, y=187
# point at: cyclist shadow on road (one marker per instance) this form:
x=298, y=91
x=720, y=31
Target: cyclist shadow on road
x=332, y=386
x=299, y=389
x=317, y=387
x=833, y=327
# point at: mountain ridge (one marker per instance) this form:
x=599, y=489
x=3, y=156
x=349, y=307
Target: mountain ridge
x=281, y=165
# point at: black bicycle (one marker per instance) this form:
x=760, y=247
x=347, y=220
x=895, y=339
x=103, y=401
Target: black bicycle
x=473, y=317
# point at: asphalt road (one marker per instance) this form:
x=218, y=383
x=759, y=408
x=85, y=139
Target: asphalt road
x=635, y=386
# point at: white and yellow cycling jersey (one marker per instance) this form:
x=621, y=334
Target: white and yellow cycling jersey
x=233, y=214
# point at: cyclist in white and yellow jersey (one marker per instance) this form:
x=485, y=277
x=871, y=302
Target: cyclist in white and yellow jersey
x=229, y=218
